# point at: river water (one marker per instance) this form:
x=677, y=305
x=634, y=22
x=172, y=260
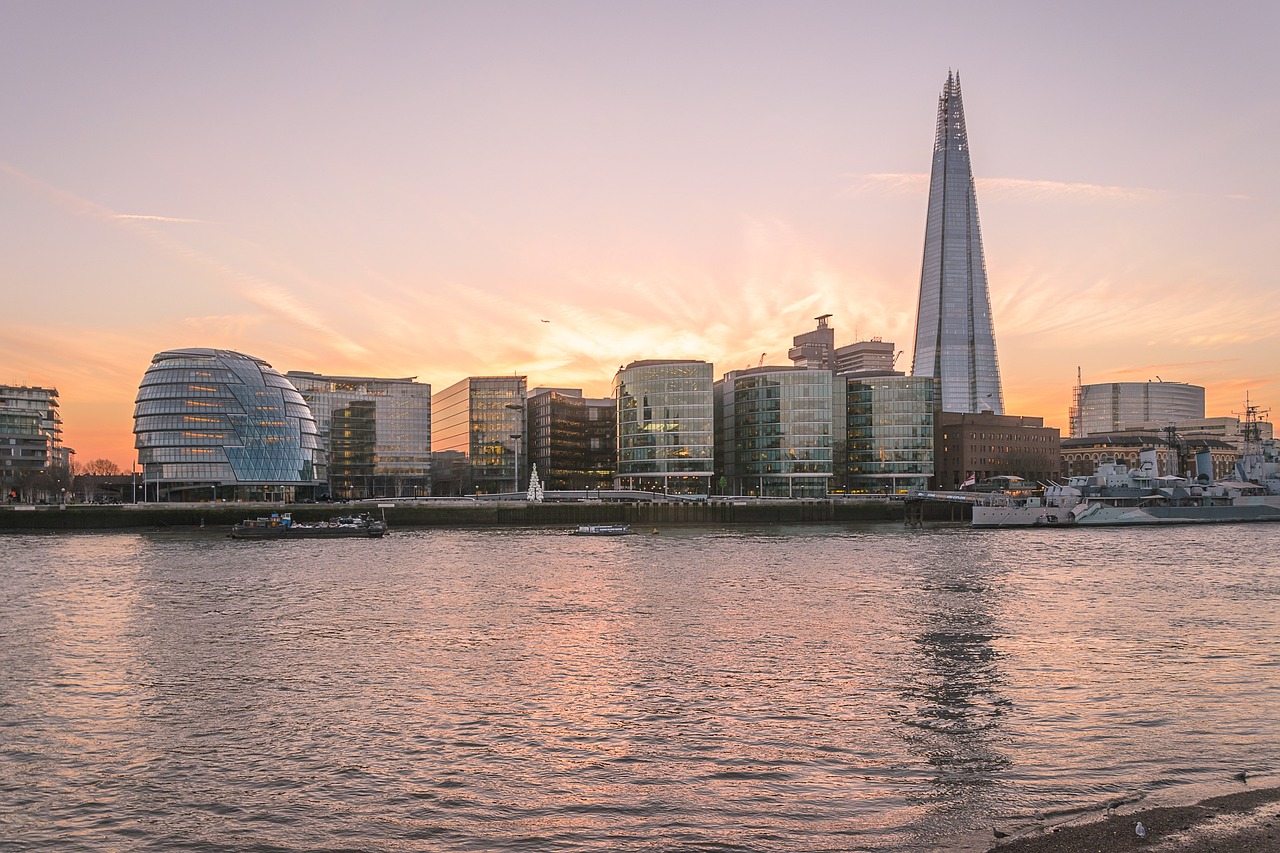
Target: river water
x=761, y=689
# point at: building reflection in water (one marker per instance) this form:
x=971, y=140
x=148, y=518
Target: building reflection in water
x=953, y=710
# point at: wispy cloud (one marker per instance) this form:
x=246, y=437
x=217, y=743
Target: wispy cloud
x=271, y=296
x=917, y=183
x=149, y=218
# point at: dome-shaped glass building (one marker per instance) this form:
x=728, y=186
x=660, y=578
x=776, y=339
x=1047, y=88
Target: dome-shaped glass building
x=214, y=423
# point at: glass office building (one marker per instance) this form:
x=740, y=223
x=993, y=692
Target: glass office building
x=666, y=426
x=955, y=338
x=889, y=424
x=478, y=436
x=376, y=433
x=572, y=439
x=1116, y=406
x=219, y=424
x=773, y=432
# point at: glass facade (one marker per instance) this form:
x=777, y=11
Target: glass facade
x=955, y=338
x=215, y=423
x=889, y=433
x=383, y=446
x=666, y=426
x=773, y=431
x=1115, y=406
x=572, y=439
x=478, y=434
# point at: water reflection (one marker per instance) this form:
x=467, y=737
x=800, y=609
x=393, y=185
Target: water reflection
x=774, y=689
x=954, y=704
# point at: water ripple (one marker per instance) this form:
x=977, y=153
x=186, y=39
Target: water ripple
x=795, y=688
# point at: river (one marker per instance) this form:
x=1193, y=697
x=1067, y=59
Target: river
x=799, y=688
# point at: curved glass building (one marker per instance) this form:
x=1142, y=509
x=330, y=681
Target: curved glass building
x=666, y=426
x=212, y=424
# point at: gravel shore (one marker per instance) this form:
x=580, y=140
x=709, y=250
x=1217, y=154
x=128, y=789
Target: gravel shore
x=1242, y=822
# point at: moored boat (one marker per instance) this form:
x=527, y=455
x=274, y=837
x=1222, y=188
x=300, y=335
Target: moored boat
x=282, y=526
x=602, y=530
x=1117, y=495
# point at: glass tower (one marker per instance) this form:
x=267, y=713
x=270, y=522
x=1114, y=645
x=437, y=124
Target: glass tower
x=955, y=341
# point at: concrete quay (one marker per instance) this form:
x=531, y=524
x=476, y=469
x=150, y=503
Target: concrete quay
x=468, y=512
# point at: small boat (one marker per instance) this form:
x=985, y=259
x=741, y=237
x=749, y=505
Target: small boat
x=282, y=526
x=602, y=530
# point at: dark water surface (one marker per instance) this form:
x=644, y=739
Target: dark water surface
x=796, y=688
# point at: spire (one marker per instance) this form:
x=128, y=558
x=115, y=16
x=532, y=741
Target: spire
x=955, y=339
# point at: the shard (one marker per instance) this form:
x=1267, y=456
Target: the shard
x=955, y=341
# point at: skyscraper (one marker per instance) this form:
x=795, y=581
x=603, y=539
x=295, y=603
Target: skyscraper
x=955, y=341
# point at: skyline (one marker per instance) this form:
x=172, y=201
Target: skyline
x=411, y=189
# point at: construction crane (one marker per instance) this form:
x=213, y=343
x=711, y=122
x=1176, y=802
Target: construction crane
x=760, y=363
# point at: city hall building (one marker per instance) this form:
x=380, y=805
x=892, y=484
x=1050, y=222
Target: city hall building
x=215, y=424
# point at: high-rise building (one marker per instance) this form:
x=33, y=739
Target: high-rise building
x=773, y=432
x=1116, y=406
x=376, y=432
x=666, y=432
x=34, y=464
x=572, y=439
x=888, y=432
x=212, y=423
x=478, y=439
x=864, y=357
x=955, y=339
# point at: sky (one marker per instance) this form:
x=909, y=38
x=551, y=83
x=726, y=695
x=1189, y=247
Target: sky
x=554, y=189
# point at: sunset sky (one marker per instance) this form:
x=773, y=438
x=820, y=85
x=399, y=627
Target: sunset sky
x=412, y=188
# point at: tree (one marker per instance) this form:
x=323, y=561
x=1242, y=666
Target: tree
x=100, y=468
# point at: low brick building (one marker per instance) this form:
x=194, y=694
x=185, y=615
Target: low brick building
x=986, y=445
